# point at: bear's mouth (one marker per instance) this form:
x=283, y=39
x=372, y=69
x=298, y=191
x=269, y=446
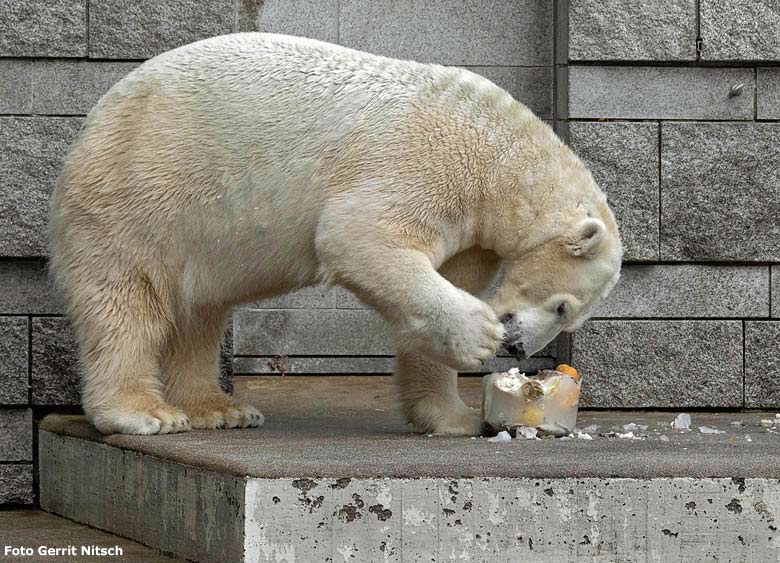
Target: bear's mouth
x=515, y=349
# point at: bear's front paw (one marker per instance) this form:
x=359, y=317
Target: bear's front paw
x=462, y=333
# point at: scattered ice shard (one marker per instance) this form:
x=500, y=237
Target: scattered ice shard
x=664, y=438
x=709, y=430
x=526, y=432
x=682, y=421
x=502, y=437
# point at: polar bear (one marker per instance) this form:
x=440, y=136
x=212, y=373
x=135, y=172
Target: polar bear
x=247, y=165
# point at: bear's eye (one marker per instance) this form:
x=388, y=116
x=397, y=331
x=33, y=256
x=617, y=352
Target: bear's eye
x=562, y=309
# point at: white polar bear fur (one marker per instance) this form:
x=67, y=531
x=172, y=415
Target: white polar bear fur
x=248, y=165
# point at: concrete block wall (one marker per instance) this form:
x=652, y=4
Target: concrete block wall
x=674, y=106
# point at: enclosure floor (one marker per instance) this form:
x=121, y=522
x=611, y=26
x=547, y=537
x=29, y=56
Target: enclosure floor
x=349, y=426
x=34, y=528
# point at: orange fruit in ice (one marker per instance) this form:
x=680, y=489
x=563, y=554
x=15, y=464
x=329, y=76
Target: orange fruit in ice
x=568, y=370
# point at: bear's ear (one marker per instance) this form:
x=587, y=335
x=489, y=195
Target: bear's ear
x=583, y=238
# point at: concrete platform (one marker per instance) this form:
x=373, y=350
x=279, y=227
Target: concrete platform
x=34, y=529
x=335, y=475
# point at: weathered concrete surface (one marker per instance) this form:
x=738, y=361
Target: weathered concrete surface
x=38, y=28
x=738, y=30
x=719, y=191
x=130, y=29
x=620, y=92
x=346, y=365
x=34, y=528
x=689, y=290
x=335, y=476
x=317, y=332
x=190, y=512
x=663, y=30
x=72, y=87
x=510, y=33
x=317, y=19
x=660, y=364
x=31, y=154
x=14, y=345
x=25, y=288
x=16, y=91
x=349, y=426
x=16, y=435
x=16, y=483
x=528, y=520
x=623, y=158
x=54, y=369
x=762, y=364
x=768, y=93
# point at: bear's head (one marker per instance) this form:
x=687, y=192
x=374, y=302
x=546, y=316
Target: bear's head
x=557, y=285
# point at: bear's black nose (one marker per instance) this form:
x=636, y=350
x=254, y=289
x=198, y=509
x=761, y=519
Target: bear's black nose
x=506, y=318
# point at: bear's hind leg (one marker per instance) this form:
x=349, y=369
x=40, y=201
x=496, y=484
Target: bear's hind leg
x=192, y=375
x=121, y=327
x=430, y=399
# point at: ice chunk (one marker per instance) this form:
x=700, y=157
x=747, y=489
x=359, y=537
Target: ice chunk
x=630, y=427
x=709, y=430
x=501, y=438
x=664, y=438
x=682, y=421
x=592, y=429
x=547, y=401
x=736, y=423
x=580, y=435
x=767, y=422
x=526, y=432
x=748, y=438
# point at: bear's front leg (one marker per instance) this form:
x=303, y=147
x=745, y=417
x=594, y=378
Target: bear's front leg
x=429, y=397
x=427, y=314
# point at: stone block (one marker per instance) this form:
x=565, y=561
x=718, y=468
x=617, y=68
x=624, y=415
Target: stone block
x=72, y=87
x=16, y=86
x=362, y=365
x=507, y=33
x=314, y=297
x=16, y=483
x=619, y=92
x=16, y=435
x=689, y=290
x=54, y=370
x=139, y=29
x=25, y=288
x=665, y=364
x=270, y=332
x=531, y=86
x=762, y=364
x=39, y=28
x=623, y=158
x=768, y=93
x=719, y=191
x=31, y=154
x=317, y=19
x=317, y=332
x=14, y=344
x=740, y=30
x=617, y=30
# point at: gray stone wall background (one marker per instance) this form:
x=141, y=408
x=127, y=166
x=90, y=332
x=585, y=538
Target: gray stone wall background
x=693, y=173
x=690, y=171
